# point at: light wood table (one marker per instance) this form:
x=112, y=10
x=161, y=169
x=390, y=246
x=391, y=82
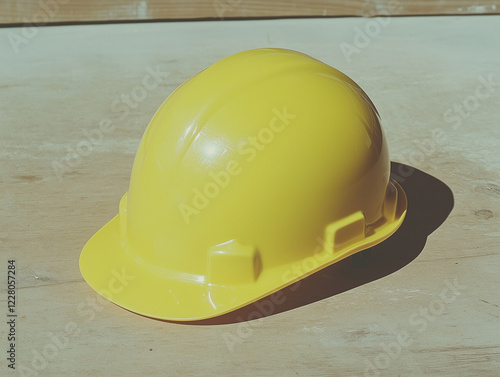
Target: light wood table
x=427, y=77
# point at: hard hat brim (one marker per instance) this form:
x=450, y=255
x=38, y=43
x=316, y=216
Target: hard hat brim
x=115, y=275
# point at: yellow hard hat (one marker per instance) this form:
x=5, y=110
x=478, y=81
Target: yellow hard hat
x=256, y=172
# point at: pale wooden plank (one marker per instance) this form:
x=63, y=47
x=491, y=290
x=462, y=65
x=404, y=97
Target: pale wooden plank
x=63, y=82
x=61, y=11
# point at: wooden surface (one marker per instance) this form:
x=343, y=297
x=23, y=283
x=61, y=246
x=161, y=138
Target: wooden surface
x=63, y=11
x=345, y=320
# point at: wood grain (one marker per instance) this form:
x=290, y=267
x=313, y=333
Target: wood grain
x=421, y=73
x=70, y=11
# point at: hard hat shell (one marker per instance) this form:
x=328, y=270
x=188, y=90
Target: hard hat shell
x=256, y=172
